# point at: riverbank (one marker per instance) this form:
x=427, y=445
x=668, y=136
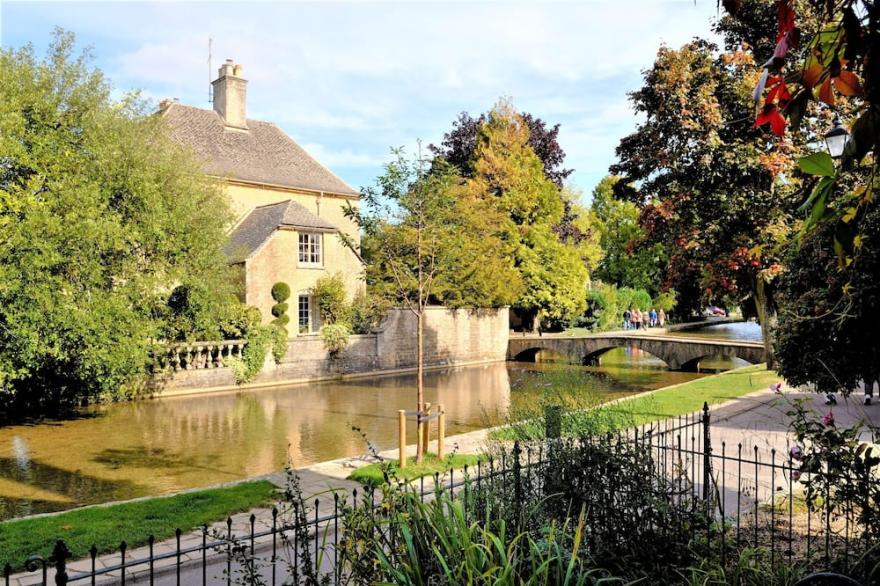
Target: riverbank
x=328, y=476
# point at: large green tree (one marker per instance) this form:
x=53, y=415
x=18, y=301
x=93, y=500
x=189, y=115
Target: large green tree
x=101, y=215
x=427, y=242
x=716, y=191
x=509, y=176
x=625, y=262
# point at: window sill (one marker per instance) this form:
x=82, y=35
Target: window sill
x=313, y=267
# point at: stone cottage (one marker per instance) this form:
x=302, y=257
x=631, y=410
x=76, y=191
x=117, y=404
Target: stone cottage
x=290, y=224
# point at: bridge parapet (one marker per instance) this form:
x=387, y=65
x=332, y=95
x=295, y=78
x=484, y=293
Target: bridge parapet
x=676, y=351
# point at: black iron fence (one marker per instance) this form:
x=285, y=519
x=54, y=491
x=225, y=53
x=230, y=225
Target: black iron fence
x=725, y=498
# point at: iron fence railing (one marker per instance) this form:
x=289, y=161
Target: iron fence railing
x=748, y=495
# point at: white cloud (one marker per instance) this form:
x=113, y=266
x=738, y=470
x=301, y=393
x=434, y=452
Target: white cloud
x=342, y=157
x=352, y=78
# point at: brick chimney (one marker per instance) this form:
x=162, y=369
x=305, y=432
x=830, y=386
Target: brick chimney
x=230, y=95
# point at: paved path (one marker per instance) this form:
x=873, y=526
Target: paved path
x=758, y=422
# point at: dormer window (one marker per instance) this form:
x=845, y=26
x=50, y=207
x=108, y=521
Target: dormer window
x=310, y=248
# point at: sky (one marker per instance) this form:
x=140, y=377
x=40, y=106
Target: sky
x=351, y=80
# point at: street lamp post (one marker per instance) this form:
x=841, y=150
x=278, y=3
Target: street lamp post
x=836, y=139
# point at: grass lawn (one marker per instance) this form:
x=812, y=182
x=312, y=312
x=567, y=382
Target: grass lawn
x=661, y=404
x=134, y=522
x=690, y=396
x=374, y=474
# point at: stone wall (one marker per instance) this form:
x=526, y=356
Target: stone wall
x=452, y=337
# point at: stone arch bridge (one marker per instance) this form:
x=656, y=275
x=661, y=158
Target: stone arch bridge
x=678, y=352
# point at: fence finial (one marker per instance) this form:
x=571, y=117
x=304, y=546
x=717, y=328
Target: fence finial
x=60, y=554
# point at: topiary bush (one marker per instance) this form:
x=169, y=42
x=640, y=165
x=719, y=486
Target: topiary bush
x=280, y=293
x=279, y=343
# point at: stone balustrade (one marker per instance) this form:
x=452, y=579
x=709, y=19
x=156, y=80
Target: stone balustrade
x=200, y=355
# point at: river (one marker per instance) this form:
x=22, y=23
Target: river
x=150, y=447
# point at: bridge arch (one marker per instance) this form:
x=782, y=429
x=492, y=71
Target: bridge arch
x=592, y=358
x=693, y=364
x=586, y=354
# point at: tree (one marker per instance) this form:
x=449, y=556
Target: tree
x=459, y=147
x=828, y=325
x=823, y=61
x=625, y=262
x=508, y=177
x=101, y=216
x=823, y=53
x=426, y=242
x=713, y=189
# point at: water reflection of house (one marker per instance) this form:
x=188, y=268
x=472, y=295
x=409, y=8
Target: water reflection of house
x=289, y=208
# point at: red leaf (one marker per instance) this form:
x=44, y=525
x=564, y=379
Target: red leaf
x=777, y=92
x=771, y=115
x=848, y=84
x=785, y=18
x=777, y=124
x=826, y=94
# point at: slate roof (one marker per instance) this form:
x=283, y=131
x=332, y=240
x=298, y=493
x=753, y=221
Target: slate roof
x=263, y=153
x=261, y=222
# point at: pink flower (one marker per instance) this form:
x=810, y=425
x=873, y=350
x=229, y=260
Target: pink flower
x=776, y=388
x=828, y=419
x=796, y=453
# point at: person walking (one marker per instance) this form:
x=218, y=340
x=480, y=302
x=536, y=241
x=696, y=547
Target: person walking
x=626, y=317
x=661, y=317
x=653, y=316
x=637, y=318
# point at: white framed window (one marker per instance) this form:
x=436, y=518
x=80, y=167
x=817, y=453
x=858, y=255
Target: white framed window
x=310, y=248
x=304, y=314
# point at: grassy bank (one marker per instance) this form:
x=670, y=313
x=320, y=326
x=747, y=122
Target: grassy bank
x=374, y=474
x=106, y=527
x=661, y=404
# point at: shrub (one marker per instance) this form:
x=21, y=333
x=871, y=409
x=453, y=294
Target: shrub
x=666, y=301
x=335, y=337
x=642, y=299
x=329, y=292
x=626, y=298
x=366, y=312
x=603, y=312
x=259, y=340
x=279, y=343
x=280, y=293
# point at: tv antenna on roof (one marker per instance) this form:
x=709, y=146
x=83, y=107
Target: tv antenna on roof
x=210, y=70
